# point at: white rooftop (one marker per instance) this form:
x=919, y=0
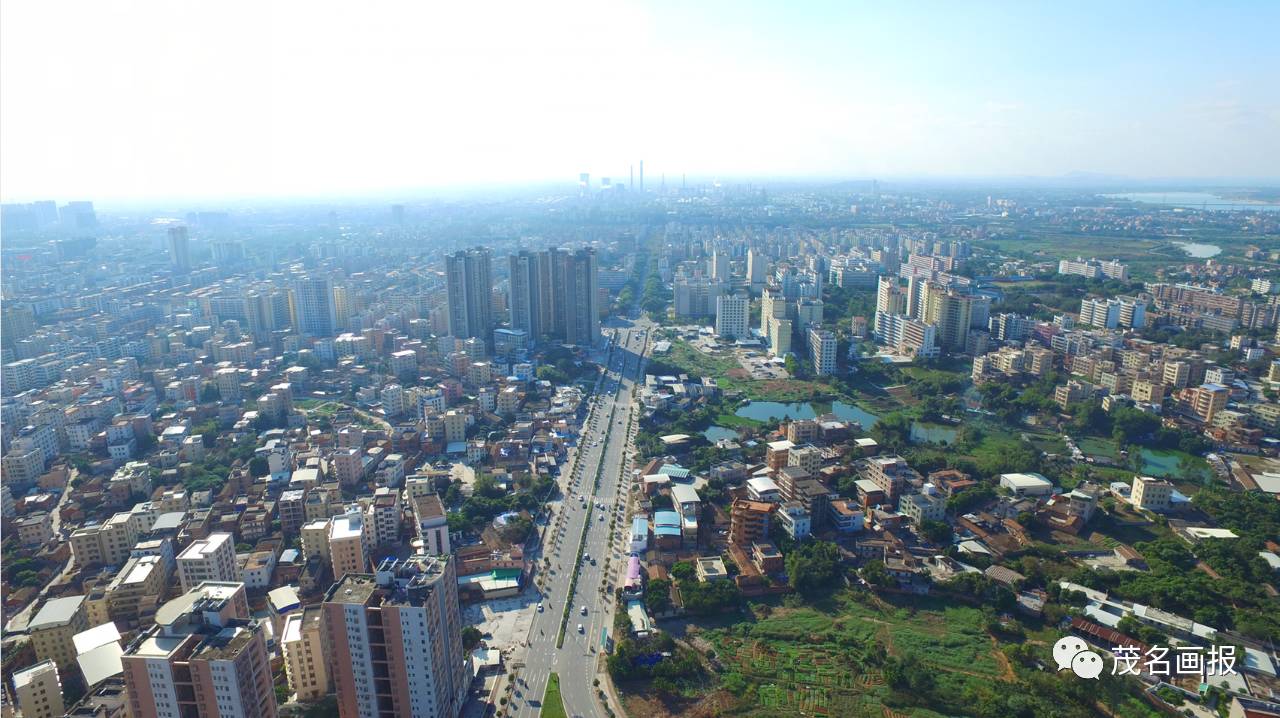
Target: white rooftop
x=1204, y=532
x=203, y=548
x=101, y=663
x=292, y=628
x=26, y=675
x=56, y=612
x=1023, y=480
x=86, y=641
x=684, y=494
x=284, y=597
x=346, y=526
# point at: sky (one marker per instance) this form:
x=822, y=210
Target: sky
x=121, y=100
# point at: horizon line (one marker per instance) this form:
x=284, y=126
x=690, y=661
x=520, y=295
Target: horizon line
x=1070, y=180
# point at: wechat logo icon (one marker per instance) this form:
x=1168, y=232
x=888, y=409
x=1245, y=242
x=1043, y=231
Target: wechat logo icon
x=1071, y=652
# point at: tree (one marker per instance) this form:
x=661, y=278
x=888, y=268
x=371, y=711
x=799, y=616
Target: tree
x=470, y=638
x=814, y=566
x=683, y=570
x=909, y=675
x=657, y=596
x=258, y=466
x=938, y=532
x=516, y=529
x=974, y=496
x=893, y=430
x=709, y=597
x=874, y=573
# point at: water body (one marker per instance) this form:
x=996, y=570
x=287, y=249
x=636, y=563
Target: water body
x=765, y=410
x=1200, y=251
x=933, y=433
x=1194, y=200
x=1164, y=464
x=853, y=412
x=716, y=433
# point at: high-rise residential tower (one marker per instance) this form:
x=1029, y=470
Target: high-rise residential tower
x=756, y=268
x=732, y=312
x=523, y=296
x=204, y=658
x=395, y=641
x=580, y=292
x=179, y=249
x=555, y=293
x=950, y=312
x=314, y=312
x=469, y=278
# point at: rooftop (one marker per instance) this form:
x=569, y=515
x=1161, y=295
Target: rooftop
x=353, y=588
x=224, y=644
x=346, y=526
x=30, y=673
x=201, y=549
x=97, y=636
x=180, y=606
x=56, y=612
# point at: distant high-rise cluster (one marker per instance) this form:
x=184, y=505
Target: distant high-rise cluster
x=19, y=217
x=555, y=294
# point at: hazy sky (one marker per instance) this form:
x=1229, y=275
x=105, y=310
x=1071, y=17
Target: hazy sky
x=103, y=100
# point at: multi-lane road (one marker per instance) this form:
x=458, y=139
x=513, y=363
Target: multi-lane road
x=603, y=444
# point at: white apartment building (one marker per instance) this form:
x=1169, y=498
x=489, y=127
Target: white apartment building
x=209, y=559
x=732, y=311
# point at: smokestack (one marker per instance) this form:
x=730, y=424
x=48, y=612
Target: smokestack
x=641, y=175
x=631, y=183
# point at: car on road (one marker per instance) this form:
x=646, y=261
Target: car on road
x=539, y=608
x=581, y=629
x=584, y=610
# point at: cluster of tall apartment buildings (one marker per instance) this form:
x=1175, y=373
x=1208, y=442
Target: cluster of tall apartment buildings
x=790, y=296
x=933, y=314
x=926, y=317
x=552, y=294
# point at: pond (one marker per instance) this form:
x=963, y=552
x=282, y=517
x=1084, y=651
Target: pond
x=1164, y=464
x=853, y=412
x=763, y=411
x=1198, y=250
x=933, y=433
x=716, y=433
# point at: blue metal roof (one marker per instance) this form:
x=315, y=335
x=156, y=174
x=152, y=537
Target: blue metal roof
x=666, y=518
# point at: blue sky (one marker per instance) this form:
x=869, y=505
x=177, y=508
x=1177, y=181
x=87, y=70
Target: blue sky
x=239, y=99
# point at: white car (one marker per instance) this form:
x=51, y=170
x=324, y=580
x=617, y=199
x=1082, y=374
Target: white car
x=581, y=629
x=539, y=608
x=584, y=610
